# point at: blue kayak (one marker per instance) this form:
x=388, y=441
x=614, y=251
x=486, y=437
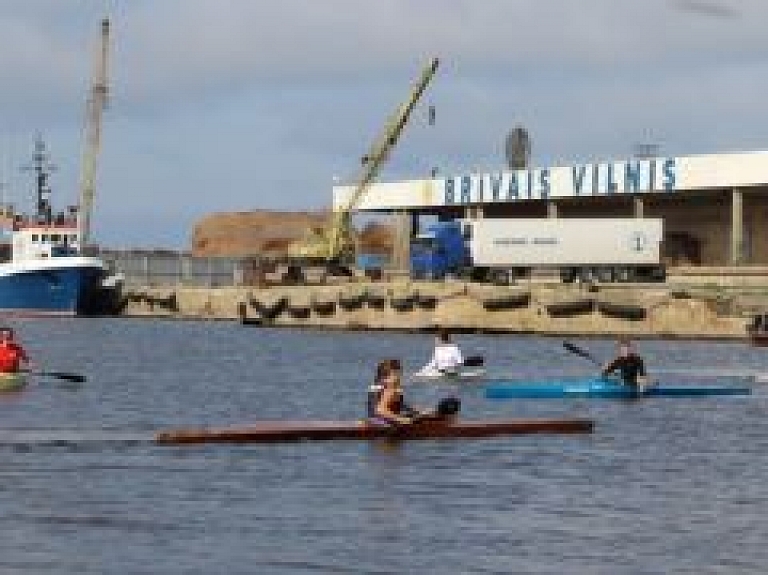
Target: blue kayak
x=603, y=388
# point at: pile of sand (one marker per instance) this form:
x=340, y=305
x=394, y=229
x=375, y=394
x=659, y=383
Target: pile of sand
x=269, y=233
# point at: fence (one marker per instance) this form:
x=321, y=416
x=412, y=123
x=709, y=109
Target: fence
x=159, y=269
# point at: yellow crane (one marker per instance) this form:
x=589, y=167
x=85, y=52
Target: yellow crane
x=336, y=242
x=97, y=101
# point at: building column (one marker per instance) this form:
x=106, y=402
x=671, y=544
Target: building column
x=639, y=207
x=737, y=227
x=551, y=209
x=474, y=212
x=401, y=252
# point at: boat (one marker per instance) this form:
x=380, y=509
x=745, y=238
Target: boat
x=603, y=388
x=46, y=272
x=278, y=431
x=12, y=381
x=464, y=375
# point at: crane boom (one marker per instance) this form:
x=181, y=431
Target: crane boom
x=336, y=242
x=97, y=101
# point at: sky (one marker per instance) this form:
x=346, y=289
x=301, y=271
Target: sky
x=237, y=105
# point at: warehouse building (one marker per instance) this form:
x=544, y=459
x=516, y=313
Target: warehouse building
x=714, y=207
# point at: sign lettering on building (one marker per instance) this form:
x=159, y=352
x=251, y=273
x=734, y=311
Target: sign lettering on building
x=599, y=179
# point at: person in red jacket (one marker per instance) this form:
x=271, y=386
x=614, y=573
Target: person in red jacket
x=12, y=355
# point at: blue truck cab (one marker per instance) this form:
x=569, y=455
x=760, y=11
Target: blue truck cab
x=440, y=250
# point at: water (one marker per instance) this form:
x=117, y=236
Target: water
x=661, y=486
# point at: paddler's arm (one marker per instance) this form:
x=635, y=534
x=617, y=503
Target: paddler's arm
x=609, y=368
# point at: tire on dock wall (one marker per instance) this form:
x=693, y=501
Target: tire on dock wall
x=402, y=304
x=513, y=301
x=425, y=302
x=571, y=308
x=351, y=303
x=324, y=307
x=622, y=311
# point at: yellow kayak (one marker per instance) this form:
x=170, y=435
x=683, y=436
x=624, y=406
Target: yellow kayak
x=12, y=381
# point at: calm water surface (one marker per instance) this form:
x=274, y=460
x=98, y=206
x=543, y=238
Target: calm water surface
x=662, y=486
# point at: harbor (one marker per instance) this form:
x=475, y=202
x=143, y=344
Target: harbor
x=315, y=288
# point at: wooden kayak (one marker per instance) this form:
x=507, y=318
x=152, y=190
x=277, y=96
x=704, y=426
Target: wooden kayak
x=12, y=381
x=275, y=432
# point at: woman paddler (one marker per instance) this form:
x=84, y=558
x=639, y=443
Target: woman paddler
x=386, y=402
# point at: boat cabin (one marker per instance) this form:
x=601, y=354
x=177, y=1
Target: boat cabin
x=41, y=241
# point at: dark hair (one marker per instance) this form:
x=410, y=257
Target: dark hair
x=7, y=331
x=444, y=335
x=386, y=367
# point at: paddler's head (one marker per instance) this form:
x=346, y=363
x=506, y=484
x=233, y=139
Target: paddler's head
x=388, y=371
x=625, y=348
x=6, y=334
x=443, y=337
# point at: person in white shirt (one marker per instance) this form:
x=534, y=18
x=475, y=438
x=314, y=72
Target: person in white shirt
x=446, y=357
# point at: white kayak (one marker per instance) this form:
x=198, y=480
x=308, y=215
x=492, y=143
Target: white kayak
x=464, y=374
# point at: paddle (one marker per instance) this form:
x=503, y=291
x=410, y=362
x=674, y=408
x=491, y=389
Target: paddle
x=581, y=352
x=63, y=375
x=474, y=361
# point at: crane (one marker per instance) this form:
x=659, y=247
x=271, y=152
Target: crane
x=336, y=243
x=97, y=101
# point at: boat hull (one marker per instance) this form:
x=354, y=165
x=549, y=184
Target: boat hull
x=69, y=288
x=12, y=381
x=278, y=432
x=468, y=375
x=600, y=388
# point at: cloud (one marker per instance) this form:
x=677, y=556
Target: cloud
x=226, y=104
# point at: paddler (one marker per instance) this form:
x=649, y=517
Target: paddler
x=386, y=402
x=12, y=354
x=629, y=364
x=446, y=357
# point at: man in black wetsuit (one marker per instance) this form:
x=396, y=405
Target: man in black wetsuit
x=630, y=366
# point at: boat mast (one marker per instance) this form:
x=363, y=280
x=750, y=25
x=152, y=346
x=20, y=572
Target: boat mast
x=42, y=168
x=95, y=105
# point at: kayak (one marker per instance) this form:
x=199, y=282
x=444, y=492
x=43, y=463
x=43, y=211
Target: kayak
x=12, y=381
x=277, y=432
x=463, y=375
x=603, y=388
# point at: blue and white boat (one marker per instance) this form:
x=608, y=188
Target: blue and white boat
x=45, y=272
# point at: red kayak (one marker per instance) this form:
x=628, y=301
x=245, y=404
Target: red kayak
x=275, y=432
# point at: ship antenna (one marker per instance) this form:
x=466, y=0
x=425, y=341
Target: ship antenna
x=42, y=167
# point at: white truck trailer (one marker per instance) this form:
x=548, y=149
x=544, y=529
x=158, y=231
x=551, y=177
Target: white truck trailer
x=581, y=249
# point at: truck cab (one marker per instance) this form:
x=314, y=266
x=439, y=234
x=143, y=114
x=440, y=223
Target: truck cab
x=440, y=250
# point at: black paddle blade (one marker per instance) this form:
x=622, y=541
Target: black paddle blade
x=73, y=377
x=578, y=351
x=474, y=361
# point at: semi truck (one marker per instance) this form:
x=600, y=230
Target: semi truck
x=578, y=249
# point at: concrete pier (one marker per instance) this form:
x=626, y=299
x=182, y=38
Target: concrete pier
x=691, y=307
